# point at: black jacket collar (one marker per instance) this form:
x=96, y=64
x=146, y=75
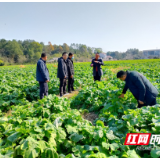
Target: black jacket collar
x=42, y=60
x=70, y=59
x=127, y=75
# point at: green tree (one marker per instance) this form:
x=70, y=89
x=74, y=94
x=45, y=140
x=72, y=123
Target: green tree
x=65, y=47
x=3, y=42
x=99, y=50
x=1, y=63
x=83, y=48
x=36, y=56
x=60, y=49
x=13, y=50
x=36, y=47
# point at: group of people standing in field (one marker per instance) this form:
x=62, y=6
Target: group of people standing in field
x=65, y=72
x=141, y=88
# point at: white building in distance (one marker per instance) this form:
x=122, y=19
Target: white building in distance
x=52, y=60
x=151, y=53
x=102, y=55
x=105, y=57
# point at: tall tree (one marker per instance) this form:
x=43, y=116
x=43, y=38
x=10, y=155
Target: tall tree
x=13, y=50
x=60, y=49
x=65, y=47
x=83, y=48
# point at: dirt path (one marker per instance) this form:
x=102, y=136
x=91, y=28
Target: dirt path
x=70, y=95
x=9, y=113
x=90, y=116
x=115, y=70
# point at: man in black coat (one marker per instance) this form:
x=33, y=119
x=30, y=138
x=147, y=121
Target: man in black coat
x=62, y=73
x=42, y=75
x=141, y=88
x=97, y=70
x=70, y=73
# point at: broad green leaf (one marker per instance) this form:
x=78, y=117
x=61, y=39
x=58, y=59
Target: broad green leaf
x=155, y=153
x=50, y=153
x=49, y=126
x=31, y=153
x=42, y=145
x=14, y=136
x=76, y=137
x=105, y=145
x=110, y=135
x=3, y=120
x=52, y=141
x=132, y=154
x=71, y=129
x=58, y=122
x=114, y=146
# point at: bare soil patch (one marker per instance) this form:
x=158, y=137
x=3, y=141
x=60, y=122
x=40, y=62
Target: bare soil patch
x=9, y=113
x=70, y=95
x=90, y=116
x=115, y=70
x=22, y=66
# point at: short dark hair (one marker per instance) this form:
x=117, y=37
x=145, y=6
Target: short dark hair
x=120, y=74
x=70, y=54
x=64, y=53
x=43, y=55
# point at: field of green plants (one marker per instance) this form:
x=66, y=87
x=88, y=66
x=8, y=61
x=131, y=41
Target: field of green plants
x=56, y=127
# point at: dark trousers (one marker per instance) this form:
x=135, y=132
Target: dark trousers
x=152, y=104
x=43, y=89
x=70, y=84
x=62, y=88
x=97, y=77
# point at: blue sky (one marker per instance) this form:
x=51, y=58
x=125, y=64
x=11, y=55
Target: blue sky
x=111, y=26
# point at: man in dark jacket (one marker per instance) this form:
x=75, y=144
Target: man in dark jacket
x=97, y=70
x=141, y=88
x=70, y=73
x=42, y=75
x=62, y=73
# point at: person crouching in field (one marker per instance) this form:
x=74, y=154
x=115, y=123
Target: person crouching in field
x=97, y=70
x=70, y=73
x=42, y=75
x=62, y=73
x=141, y=88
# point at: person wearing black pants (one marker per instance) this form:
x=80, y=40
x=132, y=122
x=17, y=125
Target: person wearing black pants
x=70, y=85
x=141, y=88
x=62, y=73
x=70, y=73
x=97, y=70
x=63, y=84
x=97, y=77
x=42, y=75
x=43, y=89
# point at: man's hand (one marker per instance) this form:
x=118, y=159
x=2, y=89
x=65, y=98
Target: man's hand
x=121, y=96
x=65, y=77
x=91, y=65
x=140, y=102
x=71, y=76
x=47, y=81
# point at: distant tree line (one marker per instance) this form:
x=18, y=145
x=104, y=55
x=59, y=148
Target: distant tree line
x=129, y=54
x=29, y=51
